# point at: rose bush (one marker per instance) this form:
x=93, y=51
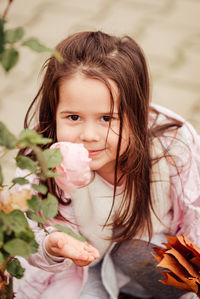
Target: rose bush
x=16, y=236
x=67, y=162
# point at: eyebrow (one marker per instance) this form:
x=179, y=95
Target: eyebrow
x=68, y=112
x=76, y=112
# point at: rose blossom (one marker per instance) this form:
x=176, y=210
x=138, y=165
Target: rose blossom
x=74, y=168
x=11, y=201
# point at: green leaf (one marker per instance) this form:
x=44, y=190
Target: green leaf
x=2, y=258
x=9, y=58
x=41, y=158
x=34, y=203
x=27, y=236
x=17, y=222
x=53, y=157
x=35, y=45
x=41, y=176
x=40, y=188
x=70, y=232
x=58, y=56
x=3, y=221
x=51, y=174
x=7, y=139
x=50, y=206
x=1, y=239
x=33, y=245
x=28, y=137
x=2, y=38
x=33, y=216
x=15, y=269
x=26, y=163
x=17, y=247
x=14, y=35
x=20, y=181
x=1, y=176
x=18, y=215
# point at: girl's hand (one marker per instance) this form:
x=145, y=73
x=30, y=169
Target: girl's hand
x=62, y=244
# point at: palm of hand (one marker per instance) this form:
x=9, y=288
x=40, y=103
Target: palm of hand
x=62, y=244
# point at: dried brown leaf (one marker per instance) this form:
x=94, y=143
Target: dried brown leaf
x=189, y=268
x=160, y=251
x=182, y=258
x=196, y=261
x=169, y=263
x=172, y=281
x=189, y=245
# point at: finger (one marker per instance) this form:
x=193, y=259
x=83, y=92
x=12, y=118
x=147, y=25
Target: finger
x=92, y=250
x=60, y=244
x=81, y=263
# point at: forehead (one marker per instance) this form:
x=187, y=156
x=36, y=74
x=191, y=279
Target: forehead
x=80, y=89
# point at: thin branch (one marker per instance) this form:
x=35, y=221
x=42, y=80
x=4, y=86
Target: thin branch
x=7, y=8
x=25, y=176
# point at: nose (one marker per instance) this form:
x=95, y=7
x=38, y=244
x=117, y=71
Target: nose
x=89, y=133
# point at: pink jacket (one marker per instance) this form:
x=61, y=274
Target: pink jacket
x=46, y=279
x=184, y=189
x=55, y=280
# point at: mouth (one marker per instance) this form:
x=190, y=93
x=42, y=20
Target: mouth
x=93, y=153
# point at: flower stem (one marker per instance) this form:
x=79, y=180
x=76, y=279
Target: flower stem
x=7, y=9
x=25, y=176
x=10, y=288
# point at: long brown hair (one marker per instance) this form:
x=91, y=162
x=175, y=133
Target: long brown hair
x=104, y=57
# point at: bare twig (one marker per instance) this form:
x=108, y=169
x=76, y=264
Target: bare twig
x=7, y=8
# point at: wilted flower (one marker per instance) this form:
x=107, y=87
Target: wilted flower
x=11, y=201
x=74, y=168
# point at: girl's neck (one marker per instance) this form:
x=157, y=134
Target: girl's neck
x=110, y=177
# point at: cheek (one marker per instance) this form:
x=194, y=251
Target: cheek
x=61, y=132
x=57, y=128
x=65, y=133
x=114, y=137
x=125, y=140
x=113, y=133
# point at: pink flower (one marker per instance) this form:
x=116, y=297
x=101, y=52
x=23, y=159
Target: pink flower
x=74, y=167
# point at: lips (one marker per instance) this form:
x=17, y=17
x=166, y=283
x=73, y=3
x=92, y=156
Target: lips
x=93, y=153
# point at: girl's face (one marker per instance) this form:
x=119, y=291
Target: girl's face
x=83, y=116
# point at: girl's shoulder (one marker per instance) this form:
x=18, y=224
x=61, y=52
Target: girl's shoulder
x=184, y=135
x=166, y=113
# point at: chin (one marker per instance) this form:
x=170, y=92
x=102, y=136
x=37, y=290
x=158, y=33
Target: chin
x=95, y=166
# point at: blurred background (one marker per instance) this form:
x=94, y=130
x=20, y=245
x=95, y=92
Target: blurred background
x=167, y=30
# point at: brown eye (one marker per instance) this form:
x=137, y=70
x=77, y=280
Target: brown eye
x=74, y=117
x=106, y=118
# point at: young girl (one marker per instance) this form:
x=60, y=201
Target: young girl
x=145, y=161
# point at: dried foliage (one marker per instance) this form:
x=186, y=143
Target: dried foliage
x=180, y=260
